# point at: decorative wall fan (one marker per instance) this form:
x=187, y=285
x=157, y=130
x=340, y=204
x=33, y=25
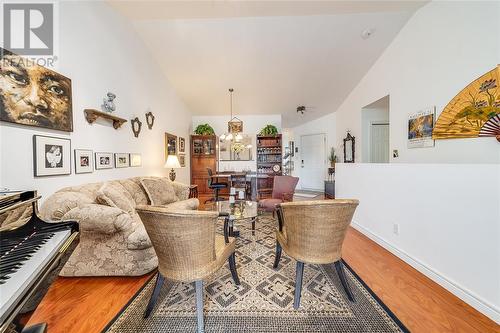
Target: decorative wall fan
x=491, y=127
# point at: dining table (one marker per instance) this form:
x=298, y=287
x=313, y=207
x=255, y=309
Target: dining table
x=251, y=178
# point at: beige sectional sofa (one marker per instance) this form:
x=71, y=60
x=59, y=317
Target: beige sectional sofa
x=113, y=240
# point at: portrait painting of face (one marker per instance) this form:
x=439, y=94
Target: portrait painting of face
x=33, y=95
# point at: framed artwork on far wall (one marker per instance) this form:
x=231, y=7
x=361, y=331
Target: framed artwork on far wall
x=182, y=145
x=170, y=145
x=135, y=160
x=84, y=162
x=103, y=161
x=182, y=160
x=121, y=160
x=51, y=156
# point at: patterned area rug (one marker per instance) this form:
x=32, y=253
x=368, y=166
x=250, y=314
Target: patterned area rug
x=264, y=300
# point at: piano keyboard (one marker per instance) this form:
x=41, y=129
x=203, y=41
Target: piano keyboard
x=22, y=260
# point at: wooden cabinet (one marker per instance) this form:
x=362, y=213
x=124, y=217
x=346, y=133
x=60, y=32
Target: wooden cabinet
x=269, y=164
x=203, y=156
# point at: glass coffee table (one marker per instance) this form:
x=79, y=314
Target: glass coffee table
x=238, y=211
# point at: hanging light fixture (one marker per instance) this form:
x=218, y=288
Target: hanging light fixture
x=234, y=126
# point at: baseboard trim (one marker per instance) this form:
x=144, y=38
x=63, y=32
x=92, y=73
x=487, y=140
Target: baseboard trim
x=467, y=296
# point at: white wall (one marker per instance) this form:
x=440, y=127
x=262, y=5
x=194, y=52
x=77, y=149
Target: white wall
x=100, y=52
x=324, y=125
x=447, y=200
x=448, y=216
x=434, y=56
x=252, y=125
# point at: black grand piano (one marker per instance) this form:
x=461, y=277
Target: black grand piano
x=32, y=252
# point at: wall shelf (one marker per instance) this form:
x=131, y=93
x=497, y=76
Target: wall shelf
x=92, y=115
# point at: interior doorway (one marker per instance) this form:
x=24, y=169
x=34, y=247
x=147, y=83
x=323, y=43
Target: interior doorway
x=312, y=161
x=375, y=132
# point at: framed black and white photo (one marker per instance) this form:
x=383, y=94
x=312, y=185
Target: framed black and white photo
x=182, y=145
x=121, y=160
x=182, y=160
x=51, y=156
x=84, y=161
x=103, y=161
x=135, y=160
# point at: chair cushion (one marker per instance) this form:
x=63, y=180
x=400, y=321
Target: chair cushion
x=160, y=192
x=114, y=195
x=218, y=185
x=269, y=204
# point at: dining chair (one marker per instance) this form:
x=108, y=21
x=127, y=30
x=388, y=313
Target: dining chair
x=188, y=249
x=239, y=182
x=313, y=232
x=283, y=190
x=215, y=186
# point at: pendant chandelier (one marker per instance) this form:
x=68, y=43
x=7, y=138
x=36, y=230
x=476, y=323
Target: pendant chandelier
x=234, y=126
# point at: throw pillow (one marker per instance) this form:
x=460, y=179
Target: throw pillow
x=114, y=195
x=160, y=192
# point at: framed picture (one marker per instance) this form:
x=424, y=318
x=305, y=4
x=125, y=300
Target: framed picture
x=84, y=161
x=170, y=145
x=182, y=145
x=420, y=127
x=182, y=160
x=33, y=95
x=135, y=160
x=121, y=160
x=103, y=161
x=51, y=156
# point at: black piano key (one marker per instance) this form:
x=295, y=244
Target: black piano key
x=17, y=259
x=7, y=273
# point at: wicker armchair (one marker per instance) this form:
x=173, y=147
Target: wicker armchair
x=313, y=232
x=188, y=249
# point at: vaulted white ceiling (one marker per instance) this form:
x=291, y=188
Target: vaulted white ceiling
x=276, y=55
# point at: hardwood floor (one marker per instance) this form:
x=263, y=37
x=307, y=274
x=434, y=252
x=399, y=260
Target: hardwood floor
x=86, y=305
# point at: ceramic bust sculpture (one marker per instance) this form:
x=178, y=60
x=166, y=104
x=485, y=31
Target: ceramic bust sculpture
x=108, y=104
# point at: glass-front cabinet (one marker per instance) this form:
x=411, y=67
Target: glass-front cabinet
x=203, y=157
x=204, y=145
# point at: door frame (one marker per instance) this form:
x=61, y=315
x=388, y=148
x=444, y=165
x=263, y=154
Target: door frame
x=325, y=164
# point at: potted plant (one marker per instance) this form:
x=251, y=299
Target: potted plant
x=269, y=130
x=204, y=129
x=332, y=157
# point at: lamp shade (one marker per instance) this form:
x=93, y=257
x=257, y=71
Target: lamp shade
x=172, y=162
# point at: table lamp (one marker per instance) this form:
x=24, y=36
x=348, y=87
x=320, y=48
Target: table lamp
x=172, y=162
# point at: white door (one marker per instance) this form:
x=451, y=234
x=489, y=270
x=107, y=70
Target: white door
x=379, y=143
x=312, y=161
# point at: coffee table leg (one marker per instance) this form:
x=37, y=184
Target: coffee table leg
x=253, y=225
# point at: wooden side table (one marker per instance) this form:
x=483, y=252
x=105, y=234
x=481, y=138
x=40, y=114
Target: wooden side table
x=193, y=191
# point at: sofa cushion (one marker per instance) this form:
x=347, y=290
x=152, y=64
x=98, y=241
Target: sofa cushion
x=136, y=190
x=113, y=194
x=62, y=202
x=189, y=204
x=160, y=192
